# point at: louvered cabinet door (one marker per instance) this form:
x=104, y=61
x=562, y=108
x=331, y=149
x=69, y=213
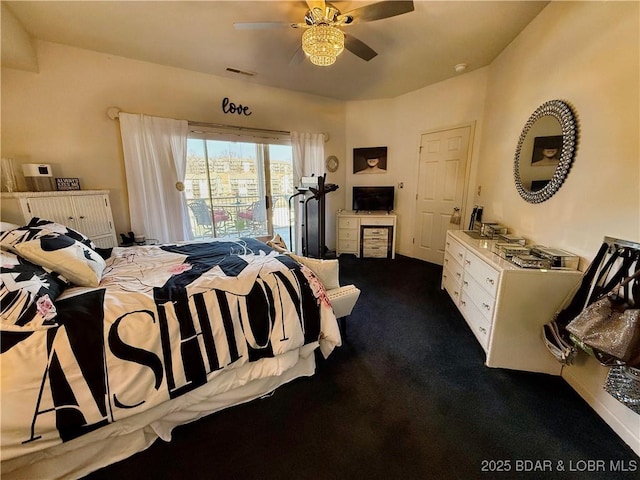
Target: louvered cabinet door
x=57, y=209
x=93, y=215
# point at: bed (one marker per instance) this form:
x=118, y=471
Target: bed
x=143, y=339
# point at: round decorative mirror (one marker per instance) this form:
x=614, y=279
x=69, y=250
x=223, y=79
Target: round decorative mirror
x=545, y=151
x=332, y=163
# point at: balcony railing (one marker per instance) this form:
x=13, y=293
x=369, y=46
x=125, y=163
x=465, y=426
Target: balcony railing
x=242, y=216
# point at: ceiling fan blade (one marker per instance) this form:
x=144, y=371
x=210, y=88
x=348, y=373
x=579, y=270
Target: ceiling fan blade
x=358, y=48
x=321, y=4
x=260, y=25
x=376, y=11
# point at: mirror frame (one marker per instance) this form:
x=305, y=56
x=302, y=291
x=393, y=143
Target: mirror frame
x=563, y=112
x=332, y=163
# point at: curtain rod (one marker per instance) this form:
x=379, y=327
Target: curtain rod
x=220, y=125
x=114, y=114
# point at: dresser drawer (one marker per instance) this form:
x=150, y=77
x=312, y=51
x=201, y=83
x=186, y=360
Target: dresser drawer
x=348, y=222
x=482, y=273
x=456, y=250
x=454, y=267
x=483, y=300
x=381, y=244
x=375, y=252
x=350, y=246
x=348, y=234
x=450, y=284
x=365, y=222
x=479, y=325
x=377, y=233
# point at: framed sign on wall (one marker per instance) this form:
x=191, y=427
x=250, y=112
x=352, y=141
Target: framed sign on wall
x=67, y=183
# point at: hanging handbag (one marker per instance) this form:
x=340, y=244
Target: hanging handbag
x=563, y=351
x=554, y=334
x=623, y=384
x=609, y=326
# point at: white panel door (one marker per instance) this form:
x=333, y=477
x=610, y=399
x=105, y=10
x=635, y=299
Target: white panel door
x=441, y=186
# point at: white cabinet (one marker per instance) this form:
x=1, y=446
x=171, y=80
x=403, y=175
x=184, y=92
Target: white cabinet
x=504, y=305
x=348, y=237
x=88, y=211
x=366, y=234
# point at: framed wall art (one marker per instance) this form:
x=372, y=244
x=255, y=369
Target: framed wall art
x=546, y=151
x=370, y=160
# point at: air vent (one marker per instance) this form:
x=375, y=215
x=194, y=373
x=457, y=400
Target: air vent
x=241, y=72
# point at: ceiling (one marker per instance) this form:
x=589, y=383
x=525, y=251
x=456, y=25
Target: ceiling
x=415, y=49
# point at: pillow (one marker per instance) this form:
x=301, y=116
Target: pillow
x=27, y=293
x=326, y=270
x=65, y=255
x=62, y=229
x=6, y=226
x=11, y=238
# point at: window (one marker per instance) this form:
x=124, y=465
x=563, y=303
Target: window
x=238, y=188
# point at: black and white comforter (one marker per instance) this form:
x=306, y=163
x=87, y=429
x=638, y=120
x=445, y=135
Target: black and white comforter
x=163, y=320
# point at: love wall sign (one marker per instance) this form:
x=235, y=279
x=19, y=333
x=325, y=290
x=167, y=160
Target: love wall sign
x=229, y=107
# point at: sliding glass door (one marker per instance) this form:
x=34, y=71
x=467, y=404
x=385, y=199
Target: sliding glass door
x=237, y=189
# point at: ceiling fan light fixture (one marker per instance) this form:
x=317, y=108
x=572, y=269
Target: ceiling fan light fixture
x=323, y=43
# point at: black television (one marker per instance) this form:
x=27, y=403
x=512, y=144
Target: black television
x=371, y=199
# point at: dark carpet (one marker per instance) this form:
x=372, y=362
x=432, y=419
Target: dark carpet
x=406, y=397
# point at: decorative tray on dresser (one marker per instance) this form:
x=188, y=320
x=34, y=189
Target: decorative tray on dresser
x=505, y=305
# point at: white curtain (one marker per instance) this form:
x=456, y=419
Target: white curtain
x=308, y=159
x=155, y=157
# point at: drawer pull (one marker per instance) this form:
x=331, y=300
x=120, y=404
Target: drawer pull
x=460, y=254
x=446, y=260
x=468, y=262
x=463, y=303
x=486, y=306
x=483, y=330
x=466, y=284
x=444, y=276
x=456, y=293
x=490, y=280
x=448, y=244
x=457, y=274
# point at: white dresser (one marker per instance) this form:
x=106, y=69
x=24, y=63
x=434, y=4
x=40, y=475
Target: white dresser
x=87, y=211
x=371, y=234
x=504, y=305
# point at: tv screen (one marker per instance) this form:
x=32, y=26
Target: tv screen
x=373, y=199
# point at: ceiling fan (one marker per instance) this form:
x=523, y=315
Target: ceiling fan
x=323, y=39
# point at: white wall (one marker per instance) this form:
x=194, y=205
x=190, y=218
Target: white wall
x=586, y=53
x=398, y=124
x=58, y=115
